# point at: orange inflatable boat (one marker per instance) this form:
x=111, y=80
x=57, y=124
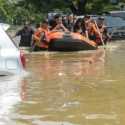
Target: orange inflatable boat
x=62, y=41
x=68, y=41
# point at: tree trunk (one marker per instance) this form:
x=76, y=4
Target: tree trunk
x=78, y=8
x=81, y=7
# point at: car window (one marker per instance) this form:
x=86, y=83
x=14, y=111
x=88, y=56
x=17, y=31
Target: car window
x=114, y=21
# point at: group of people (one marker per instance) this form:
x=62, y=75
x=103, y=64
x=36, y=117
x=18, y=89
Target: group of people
x=94, y=30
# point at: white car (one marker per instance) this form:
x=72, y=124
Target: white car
x=12, y=60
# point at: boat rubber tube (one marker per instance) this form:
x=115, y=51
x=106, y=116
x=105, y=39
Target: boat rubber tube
x=66, y=41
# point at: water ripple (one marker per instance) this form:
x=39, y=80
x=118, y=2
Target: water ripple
x=100, y=116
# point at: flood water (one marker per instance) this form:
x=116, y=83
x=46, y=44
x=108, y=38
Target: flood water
x=74, y=88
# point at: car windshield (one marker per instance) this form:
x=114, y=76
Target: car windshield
x=12, y=40
x=5, y=40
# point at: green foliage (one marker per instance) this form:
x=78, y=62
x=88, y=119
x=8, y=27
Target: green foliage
x=99, y=6
x=20, y=11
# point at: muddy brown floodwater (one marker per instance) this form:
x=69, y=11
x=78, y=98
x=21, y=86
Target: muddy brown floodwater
x=74, y=88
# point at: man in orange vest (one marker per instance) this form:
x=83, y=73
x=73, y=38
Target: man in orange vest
x=40, y=37
x=92, y=31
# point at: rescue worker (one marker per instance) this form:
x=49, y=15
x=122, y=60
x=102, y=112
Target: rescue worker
x=38, y=25
x=40, y=37
x=86, y=26
x=103, y=30
x=93, y=31
x=90, y=29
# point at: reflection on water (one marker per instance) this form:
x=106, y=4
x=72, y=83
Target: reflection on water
x=9, y=96
x=78, y=88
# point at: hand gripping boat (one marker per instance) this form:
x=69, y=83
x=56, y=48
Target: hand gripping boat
x=67, y=41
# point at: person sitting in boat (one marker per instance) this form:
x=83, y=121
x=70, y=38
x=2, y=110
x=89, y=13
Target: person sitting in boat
x=40, y=37
x=57, y=24
x=78, y=26
x=69, y=22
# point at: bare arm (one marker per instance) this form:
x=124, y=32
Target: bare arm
x=60, y=26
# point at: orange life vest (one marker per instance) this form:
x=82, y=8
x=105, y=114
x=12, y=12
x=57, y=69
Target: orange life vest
x=37, y=38
x=54, y=35
x=92, y=30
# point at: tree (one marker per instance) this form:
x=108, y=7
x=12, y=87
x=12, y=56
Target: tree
x=6, y=10
x=77, y=6
x=20, y=11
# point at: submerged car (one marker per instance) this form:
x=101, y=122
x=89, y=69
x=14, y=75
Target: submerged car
x=116, y=27
x=12, y=60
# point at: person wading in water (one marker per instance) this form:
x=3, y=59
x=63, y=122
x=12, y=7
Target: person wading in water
x=25, y=35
